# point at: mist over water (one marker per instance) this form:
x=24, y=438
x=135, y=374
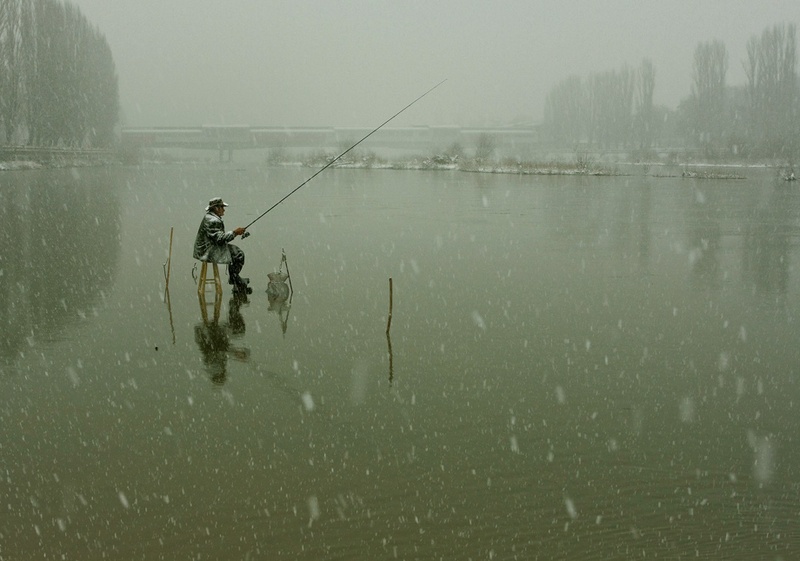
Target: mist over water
x=351, y=63
x=576, y=367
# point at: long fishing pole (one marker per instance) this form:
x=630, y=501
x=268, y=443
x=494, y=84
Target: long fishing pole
x=337, y=158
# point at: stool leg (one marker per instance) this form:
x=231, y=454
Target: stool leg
x=201, y=283
x=217, y=281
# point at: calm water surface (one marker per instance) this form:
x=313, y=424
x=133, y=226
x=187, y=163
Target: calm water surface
x=577, y=368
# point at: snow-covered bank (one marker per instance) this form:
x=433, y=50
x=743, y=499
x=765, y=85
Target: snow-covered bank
x=442, y=163
x=21, y=165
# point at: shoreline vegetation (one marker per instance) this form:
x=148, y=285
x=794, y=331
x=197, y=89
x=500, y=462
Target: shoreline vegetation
x=583, y=164
x=18, y=158
x=68, y=162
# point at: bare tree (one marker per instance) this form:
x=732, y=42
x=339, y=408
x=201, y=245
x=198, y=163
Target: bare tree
x=645, y=123
x=102, y=102
x=708, y=94
x=607, y=110
x=58, y=85
x=12, y=86
x=485, y=148
x=625, y=85
x=565, y=112
x=610, y=103
x=772, y=89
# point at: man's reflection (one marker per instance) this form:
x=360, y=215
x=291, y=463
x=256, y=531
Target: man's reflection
x=214, y=338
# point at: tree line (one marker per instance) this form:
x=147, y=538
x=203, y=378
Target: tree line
x=615, y=110
x=58, y=82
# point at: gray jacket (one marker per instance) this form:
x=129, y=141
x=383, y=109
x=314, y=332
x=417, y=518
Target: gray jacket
x=211, y=243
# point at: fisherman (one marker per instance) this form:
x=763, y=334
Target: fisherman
x=212, y=244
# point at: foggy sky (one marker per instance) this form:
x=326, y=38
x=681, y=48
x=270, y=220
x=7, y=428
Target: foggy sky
x=356, y=62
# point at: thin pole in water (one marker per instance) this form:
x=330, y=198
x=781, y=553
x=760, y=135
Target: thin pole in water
x=169, y=263
x=168, y=268
x=389, y=321
x=389, y=337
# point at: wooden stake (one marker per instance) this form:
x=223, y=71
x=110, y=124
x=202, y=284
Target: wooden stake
x=388, y=337
x=391, y=357
x=168, y=267
x=169, y=261
x=389, y=322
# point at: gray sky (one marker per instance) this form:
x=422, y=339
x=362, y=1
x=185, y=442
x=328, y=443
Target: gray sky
x=356, y=62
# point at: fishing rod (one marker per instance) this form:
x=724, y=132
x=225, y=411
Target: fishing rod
x=337, y=158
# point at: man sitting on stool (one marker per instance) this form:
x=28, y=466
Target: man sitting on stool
x=212, y=244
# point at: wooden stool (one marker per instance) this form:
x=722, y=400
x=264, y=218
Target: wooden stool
x=204, y=280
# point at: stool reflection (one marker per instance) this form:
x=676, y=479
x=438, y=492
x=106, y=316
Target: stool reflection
x=214, y=339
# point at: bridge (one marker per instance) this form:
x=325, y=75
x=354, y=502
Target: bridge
x=516, y=141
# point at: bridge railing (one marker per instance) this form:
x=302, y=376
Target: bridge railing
x=237, y=137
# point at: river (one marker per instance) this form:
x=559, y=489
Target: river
x=576, y=367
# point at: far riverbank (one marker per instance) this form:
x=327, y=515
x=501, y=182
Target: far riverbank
x=14, y=158
x=27, y=158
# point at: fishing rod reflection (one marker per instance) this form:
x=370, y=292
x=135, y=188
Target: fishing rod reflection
x=216, y=340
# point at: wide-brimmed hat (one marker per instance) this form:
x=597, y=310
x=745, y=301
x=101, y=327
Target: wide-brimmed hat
x=215, y=202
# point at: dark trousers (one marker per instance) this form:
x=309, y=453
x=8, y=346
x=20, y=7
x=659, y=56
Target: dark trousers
x=236, y=264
